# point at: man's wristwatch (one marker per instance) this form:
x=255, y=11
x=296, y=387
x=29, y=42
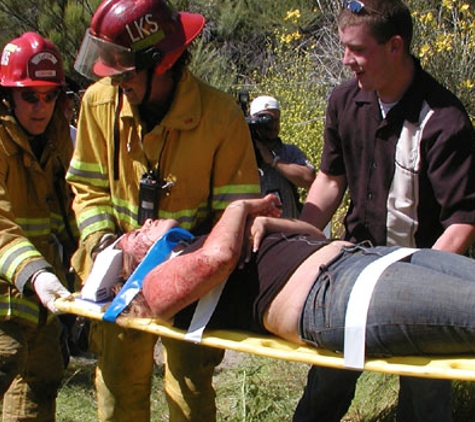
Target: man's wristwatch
x=275, y=160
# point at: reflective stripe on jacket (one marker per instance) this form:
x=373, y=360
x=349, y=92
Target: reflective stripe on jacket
x=203, y=145
x=32, y=228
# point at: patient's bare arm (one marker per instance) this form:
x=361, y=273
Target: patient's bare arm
x=263, y=225
x=181, y=281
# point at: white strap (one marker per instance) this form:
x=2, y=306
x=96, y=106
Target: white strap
x=204, y=309
x=358, y=305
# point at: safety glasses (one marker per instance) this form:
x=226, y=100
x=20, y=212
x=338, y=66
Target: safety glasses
x=123, y=77
x=32, y=97
x=356, y=6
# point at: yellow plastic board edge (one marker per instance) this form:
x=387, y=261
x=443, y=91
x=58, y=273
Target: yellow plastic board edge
x=446, y=367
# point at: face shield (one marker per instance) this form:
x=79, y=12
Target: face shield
x=98, y=58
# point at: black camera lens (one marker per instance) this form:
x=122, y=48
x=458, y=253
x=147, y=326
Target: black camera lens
x=260, y=120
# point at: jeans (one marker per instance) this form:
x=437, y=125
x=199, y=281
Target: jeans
x=421, y=305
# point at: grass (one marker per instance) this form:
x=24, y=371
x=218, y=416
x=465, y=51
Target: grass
x=255, y=389
x=251, y=389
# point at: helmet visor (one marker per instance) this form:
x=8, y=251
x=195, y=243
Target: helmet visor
x=98, y=58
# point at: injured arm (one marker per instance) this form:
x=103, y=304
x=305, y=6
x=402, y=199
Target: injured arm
x=179, y=282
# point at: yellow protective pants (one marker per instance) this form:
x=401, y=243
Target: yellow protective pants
x=31, y=371
x=124, y=374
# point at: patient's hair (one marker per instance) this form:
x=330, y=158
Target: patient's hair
x=138, y=307
x=129, y=264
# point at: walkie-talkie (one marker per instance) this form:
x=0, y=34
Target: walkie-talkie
x=149, y=194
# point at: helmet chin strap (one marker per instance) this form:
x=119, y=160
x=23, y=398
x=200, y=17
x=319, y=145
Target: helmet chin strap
x=151, y=113
x=148, y=86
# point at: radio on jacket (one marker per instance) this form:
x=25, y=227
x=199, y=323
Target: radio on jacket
x=149, y=193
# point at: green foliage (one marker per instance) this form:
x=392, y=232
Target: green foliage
x=444, y=41
x=18, y=16
x=210, y=65
x=65, y=26
x=77, y=397
x=375, y=399
x=463, y=393
x=248, y=393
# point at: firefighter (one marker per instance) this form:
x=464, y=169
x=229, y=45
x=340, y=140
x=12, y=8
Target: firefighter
x=36, y=226
x=148, y=114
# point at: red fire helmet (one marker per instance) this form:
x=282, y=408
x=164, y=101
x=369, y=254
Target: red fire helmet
x=31, y=60
x=130, y=35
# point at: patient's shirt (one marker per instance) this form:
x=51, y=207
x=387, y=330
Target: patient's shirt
x=250, y=290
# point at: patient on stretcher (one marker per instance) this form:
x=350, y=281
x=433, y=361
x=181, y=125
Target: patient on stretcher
x=284, y=277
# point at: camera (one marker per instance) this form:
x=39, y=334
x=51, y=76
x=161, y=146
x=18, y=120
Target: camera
x=260, y=121
x=149, y=194
x=256, y=123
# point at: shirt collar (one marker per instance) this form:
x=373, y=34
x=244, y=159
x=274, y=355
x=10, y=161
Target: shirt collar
x=408, y=107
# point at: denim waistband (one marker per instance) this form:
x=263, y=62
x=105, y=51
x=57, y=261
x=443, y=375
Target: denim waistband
x=351, y=260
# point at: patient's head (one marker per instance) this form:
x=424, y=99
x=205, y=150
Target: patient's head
x=135, y=244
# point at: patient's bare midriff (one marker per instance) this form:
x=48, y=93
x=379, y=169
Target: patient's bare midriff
x=283, y=314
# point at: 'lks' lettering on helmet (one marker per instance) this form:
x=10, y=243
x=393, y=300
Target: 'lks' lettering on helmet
x=142, y=28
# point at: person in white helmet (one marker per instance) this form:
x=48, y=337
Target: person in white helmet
x=282, y=167
x=152, y=141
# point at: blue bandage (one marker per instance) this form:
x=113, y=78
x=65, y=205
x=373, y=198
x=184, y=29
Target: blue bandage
x=158, y=253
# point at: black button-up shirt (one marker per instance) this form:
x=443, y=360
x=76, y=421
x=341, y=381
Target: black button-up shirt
x=410, y=175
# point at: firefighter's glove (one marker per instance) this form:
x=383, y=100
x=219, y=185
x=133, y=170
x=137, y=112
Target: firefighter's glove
x=48, y=288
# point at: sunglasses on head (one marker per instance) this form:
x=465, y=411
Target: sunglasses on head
x=32, y=97
x=356, y=6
